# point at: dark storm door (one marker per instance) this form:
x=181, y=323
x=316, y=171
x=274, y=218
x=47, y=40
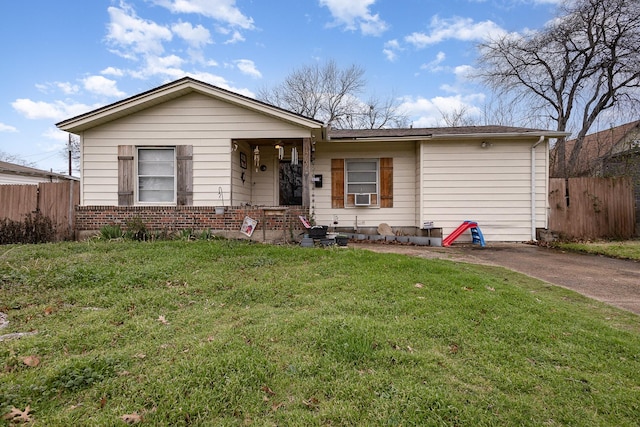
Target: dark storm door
x=290, y=184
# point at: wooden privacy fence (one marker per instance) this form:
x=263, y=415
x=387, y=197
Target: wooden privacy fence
x=55, y=200
x=591, y=208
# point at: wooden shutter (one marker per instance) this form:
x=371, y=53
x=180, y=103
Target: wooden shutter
x=184, y=159
x=386, y=182
x=337, y=183
x=126, y=178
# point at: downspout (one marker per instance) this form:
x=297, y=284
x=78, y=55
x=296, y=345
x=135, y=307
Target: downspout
x=533, y=187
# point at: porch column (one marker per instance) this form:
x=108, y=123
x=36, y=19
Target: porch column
x=306, y=172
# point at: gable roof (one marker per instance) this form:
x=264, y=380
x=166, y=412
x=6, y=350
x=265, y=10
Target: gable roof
x=14, y=169
x=174, y=90
x=598, y=145
x=441, y=133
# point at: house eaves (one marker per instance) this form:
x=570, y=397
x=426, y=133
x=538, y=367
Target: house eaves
x=19, y=170
x=174, y=90
x=439, y=134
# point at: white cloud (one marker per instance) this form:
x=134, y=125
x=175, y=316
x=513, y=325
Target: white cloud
x=429, y=112
x=132, y=35
x=56, y=135
x=102, y=86
x=220, y=82
x=66, y=87
x=168, y=68
x=391, y=49
x=248, y=67
x=456, y=28
x=355, y=14
x=111, y=71
x=7, y=128
x=463, y=71
x=161, y=65
x=434, y=65
x=196, y=37
x=235, y=38
x=57, y=110
x=224, y=11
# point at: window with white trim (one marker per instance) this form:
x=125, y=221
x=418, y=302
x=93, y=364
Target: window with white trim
x=361, y=176
x=156, y=175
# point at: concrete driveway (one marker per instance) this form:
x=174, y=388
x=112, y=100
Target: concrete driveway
x=613, y=281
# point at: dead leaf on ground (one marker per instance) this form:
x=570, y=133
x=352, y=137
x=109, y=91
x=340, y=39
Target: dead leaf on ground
x=103, y=402
x=419, y=285
x=268, y=390
x=162, y=320
x=277, y=406
x=48, y=311
x=489, y=288
x=18, y=416
x=140, y=356
x=467, y=289
x=131, y=418
x=31, y=361
x=311, y=403
x=453, y=348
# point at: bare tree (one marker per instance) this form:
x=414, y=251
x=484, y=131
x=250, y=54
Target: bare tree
x=72, y=148
x=376, y=113
x=583, y=63
x=15, y=159
x=458, y=117
x=331, y=94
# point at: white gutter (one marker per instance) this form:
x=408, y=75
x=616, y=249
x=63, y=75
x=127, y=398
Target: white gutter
x=533, y=186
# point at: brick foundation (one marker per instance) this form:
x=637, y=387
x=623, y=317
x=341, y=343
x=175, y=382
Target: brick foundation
x=274, y=223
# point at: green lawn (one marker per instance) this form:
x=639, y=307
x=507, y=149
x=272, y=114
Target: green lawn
x=628, y=249
x=232, y=333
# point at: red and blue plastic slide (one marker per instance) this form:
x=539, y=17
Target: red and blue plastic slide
x=476, y=234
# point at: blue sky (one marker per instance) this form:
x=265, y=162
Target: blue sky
x=66, y=57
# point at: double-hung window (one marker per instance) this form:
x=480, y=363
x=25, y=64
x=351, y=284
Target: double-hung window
x=156, y=175
x=362, y=176
x=362, y=182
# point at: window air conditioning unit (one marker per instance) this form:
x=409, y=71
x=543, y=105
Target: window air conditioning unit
x=363, y=199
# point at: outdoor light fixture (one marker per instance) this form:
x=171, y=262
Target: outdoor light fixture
x=485, y=144
x=256, y=158
x=280, y=149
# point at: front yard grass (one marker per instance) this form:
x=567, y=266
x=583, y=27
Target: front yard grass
x=628, y=249
x=233, y=333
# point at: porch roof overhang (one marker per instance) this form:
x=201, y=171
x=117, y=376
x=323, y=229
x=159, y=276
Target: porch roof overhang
x=177, y=89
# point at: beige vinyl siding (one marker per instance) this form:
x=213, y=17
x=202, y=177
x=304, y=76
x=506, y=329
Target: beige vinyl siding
x=403, y=212
x=208, y=124
x=462, y=181
x=241, y=192
x=264, y=185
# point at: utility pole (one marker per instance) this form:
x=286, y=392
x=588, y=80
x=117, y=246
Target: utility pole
x=69, y=146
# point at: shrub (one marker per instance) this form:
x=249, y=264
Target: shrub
x=35, y=228
x=111, y=232
x=136, y=229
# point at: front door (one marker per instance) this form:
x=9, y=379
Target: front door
x=290, y=184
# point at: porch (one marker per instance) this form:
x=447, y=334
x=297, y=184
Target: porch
x=271, y=172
